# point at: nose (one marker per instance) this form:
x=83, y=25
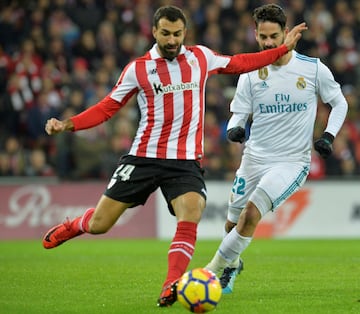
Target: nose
x=171, y=40
x=268, y=42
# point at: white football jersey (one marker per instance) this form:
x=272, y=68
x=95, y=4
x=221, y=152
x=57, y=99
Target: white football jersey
x=283, y=103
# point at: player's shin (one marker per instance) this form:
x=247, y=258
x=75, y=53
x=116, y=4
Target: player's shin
x=181, y=250
x=84, y=220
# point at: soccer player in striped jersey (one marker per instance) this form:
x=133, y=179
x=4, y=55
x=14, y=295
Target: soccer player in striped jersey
x=169, y=81
x=282, y=100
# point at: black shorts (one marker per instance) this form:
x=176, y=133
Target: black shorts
x=137, y=177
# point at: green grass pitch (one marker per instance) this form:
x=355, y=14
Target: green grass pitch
x=125, y=276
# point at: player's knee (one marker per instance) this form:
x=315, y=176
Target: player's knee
x=260, y=201
x=194, y=214
x=189, y=207
x=251, y=214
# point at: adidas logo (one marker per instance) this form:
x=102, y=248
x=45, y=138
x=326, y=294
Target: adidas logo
x=264, y=85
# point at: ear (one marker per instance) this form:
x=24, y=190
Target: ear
x=154, y=31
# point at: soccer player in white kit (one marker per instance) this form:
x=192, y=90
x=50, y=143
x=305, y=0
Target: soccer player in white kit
x=282, y=101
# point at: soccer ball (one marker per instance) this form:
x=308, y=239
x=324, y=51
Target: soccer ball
x=199, y=290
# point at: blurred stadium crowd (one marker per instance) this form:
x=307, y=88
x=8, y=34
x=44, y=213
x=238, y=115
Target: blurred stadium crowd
x=58, y=57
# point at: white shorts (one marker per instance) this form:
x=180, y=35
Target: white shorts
x=266, y=185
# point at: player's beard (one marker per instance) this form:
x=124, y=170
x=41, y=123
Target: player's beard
x=271, y=47
x=268, y=47
x=169, y=54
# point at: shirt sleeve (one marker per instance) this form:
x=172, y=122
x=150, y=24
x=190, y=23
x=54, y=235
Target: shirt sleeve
x=327, y=87
x=247, y=62
x=242, y=100
x=242, y=62
x=237, y=119
x=96, y=114
x=125, y=87
x=330, y=93
x=339, y=108
x=214, y=60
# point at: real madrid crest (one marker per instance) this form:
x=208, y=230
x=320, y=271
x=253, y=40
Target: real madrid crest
x=301, y=84
x=263, y=73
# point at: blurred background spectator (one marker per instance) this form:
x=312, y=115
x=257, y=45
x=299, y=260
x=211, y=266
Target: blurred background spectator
x=59, y=57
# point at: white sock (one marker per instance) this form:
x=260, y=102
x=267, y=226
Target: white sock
x=217, y=264
x=233, y=245
x=229, y=251
x=234, y=263
x=225, y=233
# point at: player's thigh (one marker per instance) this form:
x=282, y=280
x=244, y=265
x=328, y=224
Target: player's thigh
x=282, y=180
x=133, y=181
x=246, y=179
x=183, y=187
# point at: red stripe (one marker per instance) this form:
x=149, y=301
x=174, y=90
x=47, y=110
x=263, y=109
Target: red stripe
x=203, y=76
x=168, y=108
x=141, y=75
x=188, y=102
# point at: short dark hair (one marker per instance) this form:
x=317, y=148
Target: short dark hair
x=169, y=12
x=270, y=13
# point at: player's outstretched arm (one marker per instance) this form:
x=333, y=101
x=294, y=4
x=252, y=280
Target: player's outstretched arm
x=247, y=62
x=54, y=126
x=294, y=35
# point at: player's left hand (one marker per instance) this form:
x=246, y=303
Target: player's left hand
x=324, y=145
x=294, y=35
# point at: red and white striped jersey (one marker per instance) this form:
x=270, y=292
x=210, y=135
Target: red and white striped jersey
x=171, y=96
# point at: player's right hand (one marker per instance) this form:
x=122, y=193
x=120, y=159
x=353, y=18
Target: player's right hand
x=324, y=145
x=54, y=126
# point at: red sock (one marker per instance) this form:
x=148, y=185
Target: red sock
x=181, y=250
x=84, y=220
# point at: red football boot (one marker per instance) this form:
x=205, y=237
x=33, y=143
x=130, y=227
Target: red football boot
x=61, y=233
x=168, y=295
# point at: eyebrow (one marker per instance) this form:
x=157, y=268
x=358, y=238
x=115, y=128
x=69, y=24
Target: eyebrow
x=271, y=35
x=168, y=31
